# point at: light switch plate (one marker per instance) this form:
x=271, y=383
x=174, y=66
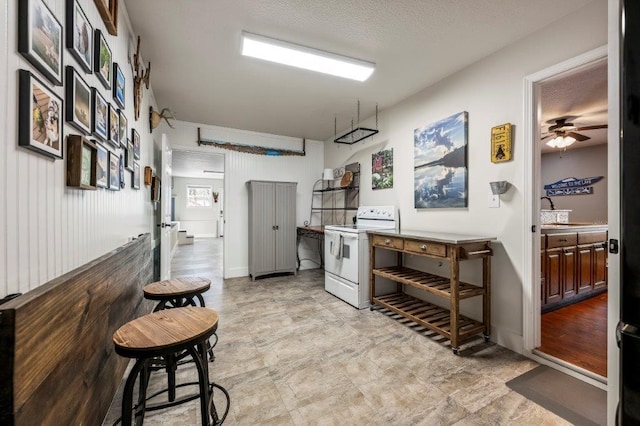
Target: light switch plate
x=494, y=200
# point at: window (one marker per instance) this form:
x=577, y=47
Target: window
x=199, y=196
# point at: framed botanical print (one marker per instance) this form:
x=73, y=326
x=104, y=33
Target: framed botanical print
x=79, y=35
x=81, y=162
x=114, y=171
x=100, y=115
x=135, y=177
x=123, y=132
x=114, y=126
x=102, y=59
x=40, y=38
x=118, y=85
x=102, y=167
x=135, y=138
x=40, y=116
x=78, y=95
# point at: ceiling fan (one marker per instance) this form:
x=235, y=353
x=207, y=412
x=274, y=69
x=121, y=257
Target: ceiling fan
x=561, y=128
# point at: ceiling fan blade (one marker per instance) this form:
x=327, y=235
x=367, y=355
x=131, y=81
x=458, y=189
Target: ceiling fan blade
x=578, y=136
x=547, y=136
x=598, y=126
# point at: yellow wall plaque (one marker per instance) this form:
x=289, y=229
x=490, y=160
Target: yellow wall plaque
x=501, y=143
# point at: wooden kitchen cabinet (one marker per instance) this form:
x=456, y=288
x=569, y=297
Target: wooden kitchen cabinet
x=452, y=248
x=573, y=267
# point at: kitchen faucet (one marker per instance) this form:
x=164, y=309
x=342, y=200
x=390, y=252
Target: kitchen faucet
x=550, y=202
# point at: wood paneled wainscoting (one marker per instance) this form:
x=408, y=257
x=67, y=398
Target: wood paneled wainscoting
x=58, y=362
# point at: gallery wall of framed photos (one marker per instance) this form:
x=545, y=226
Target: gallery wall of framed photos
x=73, y=170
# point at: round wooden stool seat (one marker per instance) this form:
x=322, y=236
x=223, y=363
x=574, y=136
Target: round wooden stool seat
x=168, y=333
x=177, y=292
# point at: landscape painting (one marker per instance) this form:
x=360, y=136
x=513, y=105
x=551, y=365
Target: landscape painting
x=440, y=163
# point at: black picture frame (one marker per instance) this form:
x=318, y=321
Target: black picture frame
x=102, y=59
x=99, y=116
x=79, y=35
x=114, y=129
x=119, y=84
x=135, y=140
x=123, y=129
x=40, y=116
x=114, y=171
x=40, y=39
x=135, y=176
x=102, y=167
x=78, y=110
x=128, y=158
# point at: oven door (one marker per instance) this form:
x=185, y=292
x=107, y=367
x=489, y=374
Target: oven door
x=343, y=263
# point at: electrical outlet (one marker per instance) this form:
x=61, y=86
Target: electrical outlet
x=494, y=200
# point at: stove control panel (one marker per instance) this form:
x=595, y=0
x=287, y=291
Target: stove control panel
x=377, y=213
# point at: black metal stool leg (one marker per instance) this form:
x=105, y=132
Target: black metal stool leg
x=127, y=395
x=199, y=357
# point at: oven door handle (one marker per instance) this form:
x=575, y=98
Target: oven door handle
x=349, y=236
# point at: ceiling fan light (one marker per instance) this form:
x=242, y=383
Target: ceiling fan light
x=553, y=143
x=567, y=140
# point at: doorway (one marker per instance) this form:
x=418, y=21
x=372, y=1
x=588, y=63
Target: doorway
x=568, y=99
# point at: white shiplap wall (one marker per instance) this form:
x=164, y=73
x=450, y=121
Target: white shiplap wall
x=48, y=229
x=241, y=167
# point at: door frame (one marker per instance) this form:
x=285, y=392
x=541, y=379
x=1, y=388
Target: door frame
x=531, y=285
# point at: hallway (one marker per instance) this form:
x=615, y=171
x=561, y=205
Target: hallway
x=290, y=353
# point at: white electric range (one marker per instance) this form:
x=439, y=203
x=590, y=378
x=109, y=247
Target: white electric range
x=346, y=253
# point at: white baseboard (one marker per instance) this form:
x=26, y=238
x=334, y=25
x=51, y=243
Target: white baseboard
x=508, y=339
x=237, y=272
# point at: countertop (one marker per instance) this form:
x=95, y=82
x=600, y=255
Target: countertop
x=572, y=227
x=443, y=237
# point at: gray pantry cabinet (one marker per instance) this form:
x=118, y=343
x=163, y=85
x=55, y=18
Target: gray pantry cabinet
x=272, y=227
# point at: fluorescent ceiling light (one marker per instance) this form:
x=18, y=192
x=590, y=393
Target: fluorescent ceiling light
x=305, y=57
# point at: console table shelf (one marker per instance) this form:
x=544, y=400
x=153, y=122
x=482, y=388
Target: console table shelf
x=453, y=248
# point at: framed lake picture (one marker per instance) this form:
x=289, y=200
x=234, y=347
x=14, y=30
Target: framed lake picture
x=114, y=126
x=79, y=35
x=40, y=38
x=118, y=85
x=135, y=177
x=78, y=97
x=102, y=59
x=440, y=163
x=135, y=139
x=123, y=132
x=100, y=116
x=114, y=171
x=102, y=167
x=40, y=116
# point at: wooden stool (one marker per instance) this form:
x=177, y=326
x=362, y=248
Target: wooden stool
x=166, y=333
x=177, y=292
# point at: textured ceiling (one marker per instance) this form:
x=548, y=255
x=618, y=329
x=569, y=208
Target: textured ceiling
x=197, y=69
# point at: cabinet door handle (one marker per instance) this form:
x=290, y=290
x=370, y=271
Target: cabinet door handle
x=423, y=247
x=562, y=240
x=387, y=241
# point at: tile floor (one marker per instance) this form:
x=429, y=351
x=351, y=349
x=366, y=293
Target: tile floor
x=292, y=354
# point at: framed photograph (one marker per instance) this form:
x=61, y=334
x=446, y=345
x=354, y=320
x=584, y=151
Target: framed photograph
x=40, y=120
x=109, y=12
x=102, y=167
x=102, y=59
x=382, y=169
x=135, y=140
x=100, y=115
x=123, y=132
x=82, y=156
x=118, y=85
x=128, y=159
x=79, y=35
x=440, y=163
x=78, y=96
x=114, y=171
x=40, y=38
x=121, y=169
x=135, y=177
x=114, y=126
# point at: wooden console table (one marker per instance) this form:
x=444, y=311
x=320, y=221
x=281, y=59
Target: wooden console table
x=453, y=248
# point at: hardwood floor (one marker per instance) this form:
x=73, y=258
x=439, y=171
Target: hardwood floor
x=578, y=334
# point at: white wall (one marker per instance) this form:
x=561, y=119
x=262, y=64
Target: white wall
x=579, y=163
x=491, y=90
x=46, y=228
x=197, y=221
x=241, y=167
